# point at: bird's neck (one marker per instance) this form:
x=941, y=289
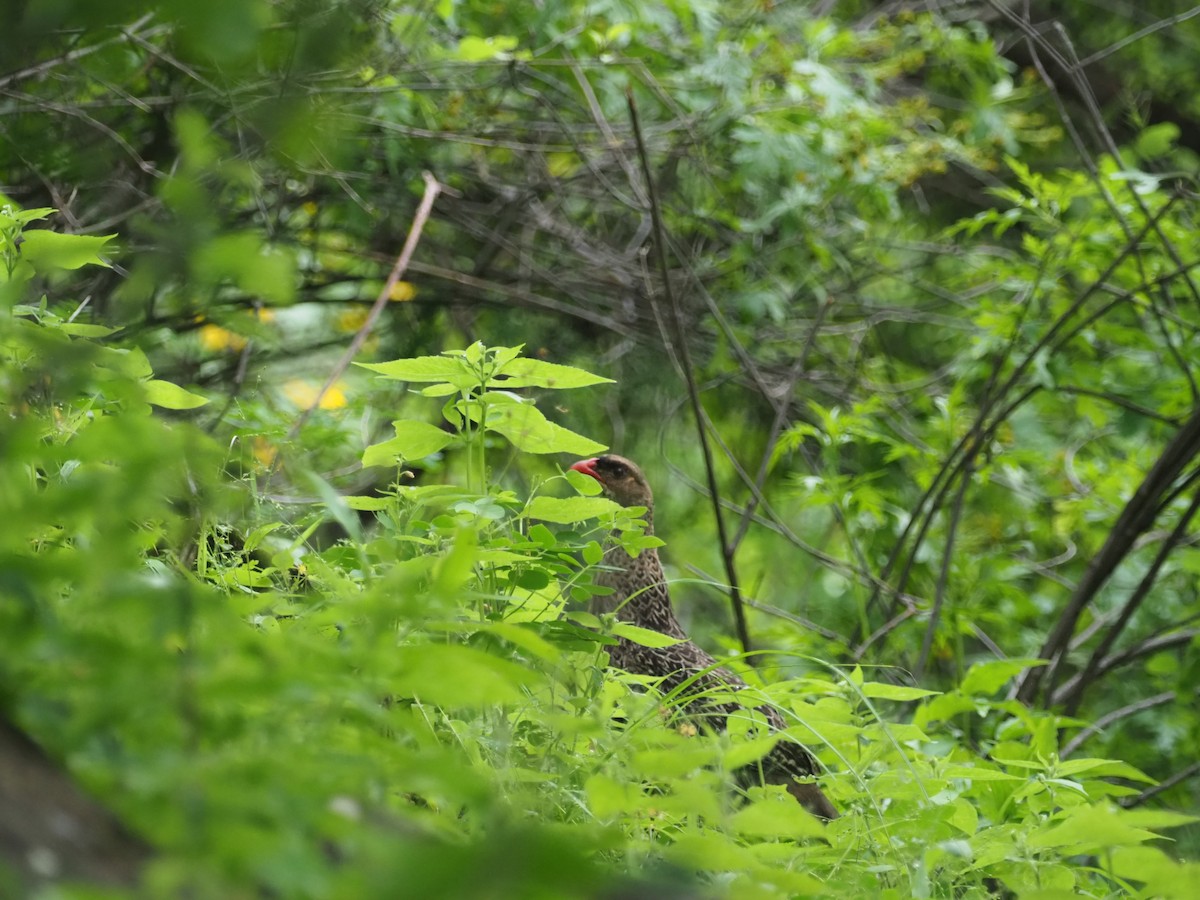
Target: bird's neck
x=640, y=594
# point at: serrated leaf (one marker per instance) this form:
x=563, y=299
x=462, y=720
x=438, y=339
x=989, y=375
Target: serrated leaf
x=878, y=691
x=989, y=677
x=527, y=372
x=48, y=250
x=85, y=330
x=1158, y=819
x=171, y=396
x=1091, y=826
x=368, y=504
x=478, y=49
x=776, y=818
x=567, y=511
x=1097, y=768
x=674, y=762
x=426, y=369
x=978, y=773
x=644, y=636
x=527, y=429
x=458, y=677
x=413, y=440
x=743, y=753
x=608, y=797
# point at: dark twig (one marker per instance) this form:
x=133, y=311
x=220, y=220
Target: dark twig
x=432, y=187
x=1115, y=716
x=1136, y=518
x=689, y=377
x=939, y=598
x=1184, y=774
x=1131, y=606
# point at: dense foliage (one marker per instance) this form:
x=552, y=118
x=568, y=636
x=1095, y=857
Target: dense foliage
x=314, y=629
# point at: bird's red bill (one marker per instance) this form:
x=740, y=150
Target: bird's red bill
x=587, y=467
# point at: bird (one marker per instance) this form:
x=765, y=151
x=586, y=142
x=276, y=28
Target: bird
x=640, y=596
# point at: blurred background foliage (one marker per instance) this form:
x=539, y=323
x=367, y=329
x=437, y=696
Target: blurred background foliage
x=935, y=265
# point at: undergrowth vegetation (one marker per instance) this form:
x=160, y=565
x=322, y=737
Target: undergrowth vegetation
x=925, y=283
x=422, y=706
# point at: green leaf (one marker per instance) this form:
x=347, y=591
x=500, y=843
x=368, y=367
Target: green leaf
x=368, y=504
x=1156, y=140
x=608, y=797
x=171, y=396
x=527, y=372
x=644, y=636
x=745, y=752
x=1091, y=827
x=878, y=691
x=981, y=772
x=49, y=250
x=674, y=762
x=423, y=369
x=988, y=677
x=413, y=440
x=477, y=49
x=709, y=851
x=527, y=429
x=1101, y=768
x=776, y=817
x=85, y=330
x=459, y=677
x=569, y=510
x=1158, y=819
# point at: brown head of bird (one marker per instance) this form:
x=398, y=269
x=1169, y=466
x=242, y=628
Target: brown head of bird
x=622, y=480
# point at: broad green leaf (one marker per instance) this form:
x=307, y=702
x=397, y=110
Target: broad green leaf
x=132, y=362
x=256, y=537
x=248, y=575
x=368, y=504
x=85, y=330
x=171, y=396
x=413, y=440
x=527, y=429
x=1144, y=864
x=878, y=691
x=1158, y=819
x=1157, y=140
x=644, y=636
x=567, y=511
x=982, y=772
x=608, y=797
x=1091, y=827
x=776, y=817
x=525, y=372
x=585, y=484
x=427, y=369
x=1097, y=768
x=988, y=677
x=709, y=851
x=458, y=677
x=49, y=250
x=745, y=752
x=674, y=762
x=477, y=49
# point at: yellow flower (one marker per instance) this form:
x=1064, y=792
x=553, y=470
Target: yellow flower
x=214, y=338
x=264, y=451
x=304, y=394
x=351, y=319
x=402, y=291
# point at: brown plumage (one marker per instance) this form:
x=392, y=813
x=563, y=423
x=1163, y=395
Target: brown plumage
x=640, y=596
